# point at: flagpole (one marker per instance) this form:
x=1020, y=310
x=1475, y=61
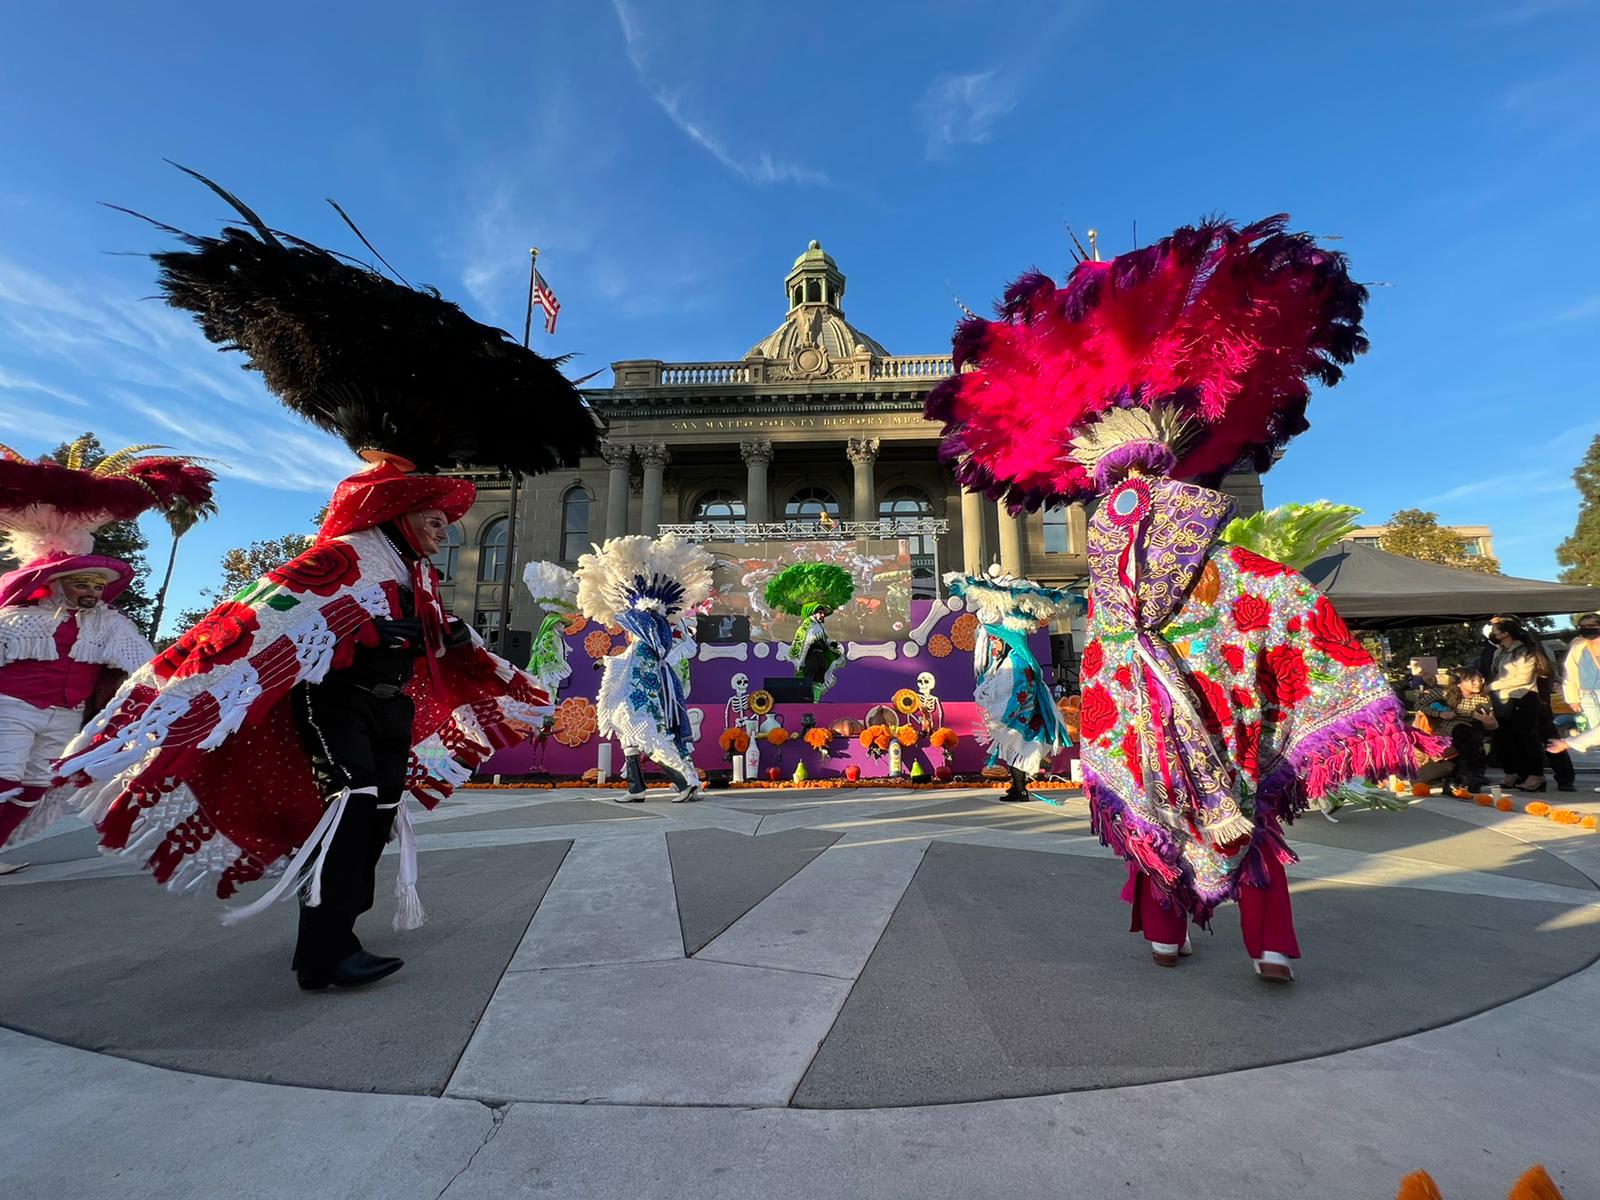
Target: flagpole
x=501, y=642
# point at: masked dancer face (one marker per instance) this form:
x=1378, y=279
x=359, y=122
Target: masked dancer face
x=82, y=591
x=428, y=529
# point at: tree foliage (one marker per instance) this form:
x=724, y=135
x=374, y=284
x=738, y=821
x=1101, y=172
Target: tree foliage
x=1579, y=555
x=1413, y=533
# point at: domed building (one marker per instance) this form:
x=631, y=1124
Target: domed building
x=816, y=418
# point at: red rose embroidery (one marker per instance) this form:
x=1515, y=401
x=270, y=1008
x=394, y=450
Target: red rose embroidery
x=1294, y=625
x=222, y=636
x=1284, y=680
x=1330, y=635
x=1250, y=613
x=1214, y=709
x=1247, y=748
x=1098, y=714
x=1241, y=698
x=1252, y=563
x=1124, y=678
x=321, y=570
x=1130, y=751
x=1234, y=656
x=1094, y=657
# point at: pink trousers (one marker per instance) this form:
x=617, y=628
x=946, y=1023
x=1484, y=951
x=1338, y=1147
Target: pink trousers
x=1265, y=917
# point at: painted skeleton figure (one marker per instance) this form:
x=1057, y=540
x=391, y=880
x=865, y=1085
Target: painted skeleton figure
x=931, y=715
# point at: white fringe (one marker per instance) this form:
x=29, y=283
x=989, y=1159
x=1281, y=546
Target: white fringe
x=408, y=911
x=315, y=846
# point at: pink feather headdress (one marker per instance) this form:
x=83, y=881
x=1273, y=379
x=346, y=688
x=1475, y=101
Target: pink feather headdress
x=53, y=509
x=1189, y=358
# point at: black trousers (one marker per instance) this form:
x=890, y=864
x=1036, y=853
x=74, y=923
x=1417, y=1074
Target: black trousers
x=1516, y=742
x=357, y=740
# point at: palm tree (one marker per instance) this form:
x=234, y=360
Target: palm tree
x=182, y=517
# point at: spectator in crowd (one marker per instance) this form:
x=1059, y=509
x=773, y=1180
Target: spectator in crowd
x=1520, y=675
x=1471, y=719
x=1580, y=683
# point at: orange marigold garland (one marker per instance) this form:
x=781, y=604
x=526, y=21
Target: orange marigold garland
x=964, y=632
x=944, y=738
x=819, y=738
x=1538, y=809
x=734, y=741
x=907, y=735
x=875, y=740
x=1564, y=816
x=576, y=721
x=777, y=735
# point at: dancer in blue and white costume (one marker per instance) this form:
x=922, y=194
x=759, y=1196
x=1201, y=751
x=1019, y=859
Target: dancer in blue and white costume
x=1022, y=726
x=643, y=584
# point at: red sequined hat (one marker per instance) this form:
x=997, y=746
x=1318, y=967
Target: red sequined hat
x=384, y=492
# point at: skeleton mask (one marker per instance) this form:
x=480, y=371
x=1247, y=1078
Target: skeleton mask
x=741, y=684
x=925, y=683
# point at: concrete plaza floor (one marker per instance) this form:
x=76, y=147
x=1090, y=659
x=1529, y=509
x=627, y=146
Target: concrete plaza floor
x=788, y=993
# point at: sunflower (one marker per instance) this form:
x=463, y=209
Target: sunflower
x=761, y=702
x=907, y=702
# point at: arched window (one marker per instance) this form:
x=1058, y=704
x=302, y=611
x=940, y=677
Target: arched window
x=719, y=505
x=492, y=551
x=445, y=561
x=809, y=503
x=813, y=291
x=1057, y=540
x=901, y=506
x=575, y=522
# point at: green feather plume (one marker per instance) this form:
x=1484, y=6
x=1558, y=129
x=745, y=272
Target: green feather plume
x=1293, y=534
x=792, y=588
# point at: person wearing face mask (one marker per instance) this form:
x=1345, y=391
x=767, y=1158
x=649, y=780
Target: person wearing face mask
x=283, y=734
x=1519, y=669
x=63, y=648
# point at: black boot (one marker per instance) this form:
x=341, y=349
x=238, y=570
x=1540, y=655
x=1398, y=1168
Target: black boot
x=1018, y=790
x=634, y=774
x=686, y=790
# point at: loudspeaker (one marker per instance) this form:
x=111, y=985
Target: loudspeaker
x=1062, y=650
x=518, y=645
x=790, y=690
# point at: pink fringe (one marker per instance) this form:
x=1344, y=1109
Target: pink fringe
x=1372, y=744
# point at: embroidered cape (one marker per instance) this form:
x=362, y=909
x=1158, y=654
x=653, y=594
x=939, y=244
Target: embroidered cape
x=197, y=764
x=1222, y=694
x=1021, y=724
x=642, y=700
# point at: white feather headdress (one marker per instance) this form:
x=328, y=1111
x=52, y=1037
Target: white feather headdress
x=636, y=572
x=551, y=585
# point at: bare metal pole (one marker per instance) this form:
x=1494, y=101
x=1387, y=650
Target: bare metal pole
x=503, y=638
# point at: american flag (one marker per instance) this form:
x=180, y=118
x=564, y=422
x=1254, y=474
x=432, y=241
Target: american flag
x=545, y=299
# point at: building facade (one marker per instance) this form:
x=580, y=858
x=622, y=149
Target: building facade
x=1477, y=541
x=817, y=417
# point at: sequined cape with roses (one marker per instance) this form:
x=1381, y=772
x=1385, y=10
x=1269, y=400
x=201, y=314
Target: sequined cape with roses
x=197, y=765
x=1222, y=694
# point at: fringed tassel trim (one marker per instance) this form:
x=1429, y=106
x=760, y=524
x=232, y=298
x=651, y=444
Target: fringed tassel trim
x=1373, y=743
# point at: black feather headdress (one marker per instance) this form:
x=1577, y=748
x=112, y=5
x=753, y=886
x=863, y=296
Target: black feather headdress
x=394, y=370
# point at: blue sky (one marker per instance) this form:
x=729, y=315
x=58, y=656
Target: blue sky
x=670, y=160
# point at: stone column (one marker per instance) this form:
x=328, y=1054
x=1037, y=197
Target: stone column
x=863, y=453
x=757, y=455
x=617, y=456
x=1010, y=540
x=972, y=560
x=654, y=457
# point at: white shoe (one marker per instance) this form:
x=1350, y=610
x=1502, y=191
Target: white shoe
x=1274, y=967
x=1166, y=954
x=692, y=792
x=7, y=868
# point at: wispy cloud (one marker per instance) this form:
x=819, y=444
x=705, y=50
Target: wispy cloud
x=759, y=167
x=963, y=110
x=1525, y=11
x=1584, y=310
x=98, y=356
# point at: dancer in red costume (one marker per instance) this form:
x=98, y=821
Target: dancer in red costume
x=283, y=733
x=1222, y=694
x=63, y=647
